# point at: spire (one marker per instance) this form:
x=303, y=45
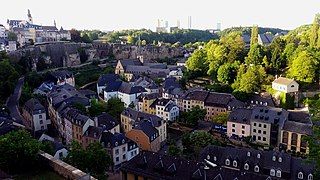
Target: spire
x=30, y=17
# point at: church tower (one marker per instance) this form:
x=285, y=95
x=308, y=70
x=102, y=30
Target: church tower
x=30, y=20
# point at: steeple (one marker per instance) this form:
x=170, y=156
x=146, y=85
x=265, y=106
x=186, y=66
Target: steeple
x=29, y=17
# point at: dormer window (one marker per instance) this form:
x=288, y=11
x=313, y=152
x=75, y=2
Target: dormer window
x=280, y=159
x=208, y=157
x=123, y=141
x=227, y=162
x=274, y=158
x=215, y=158
x=246, y=166
x=256, y=168
x=272, y=172
x=248, y=154
x=310, y=177
x=278, y=173
x=300, y=175
x=116, y=143
x=234, y=163
x=258, y=155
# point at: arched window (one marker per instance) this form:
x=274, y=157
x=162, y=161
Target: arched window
x=227, y=162
x=310, y=177
x=272, y=172
x=246, y=166
x=235, y=164
x=300, y=175
x=278, y=173
x=256, y=168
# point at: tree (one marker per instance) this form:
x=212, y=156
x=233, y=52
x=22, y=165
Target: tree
x=198, y=61
x=85, y=38
x=304, y=67
x=255, y=55
x=19, y=152
x=115, y=107
x=93, y=159
x=235, y=45
x=254, y=35
x=41, y=65
x=75, y=35
x=314, y=31
x=131, y=40
x=12, y=36
x=227, y=73
x=97, y=107
x=193, y=116
x=221, y=118
x=8, y=79
x=173, y=150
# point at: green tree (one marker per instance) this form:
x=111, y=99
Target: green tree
x=193, y=116
x=314, y=31
x=304, y=67
x=19, y=152
x=173, y=150
x=85, y=38
x=75, y=35
x=235, y=45
x=254, y=35
x=198, y=61
x=131, y=40
x=255, y=55
x=221, y=118
x=115, y=107
x=8, y=79
x=97, y=107
x=227, y=73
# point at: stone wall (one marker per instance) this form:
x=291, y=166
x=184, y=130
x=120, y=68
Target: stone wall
x=63, y=169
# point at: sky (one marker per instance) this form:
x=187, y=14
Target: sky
x=135, y=14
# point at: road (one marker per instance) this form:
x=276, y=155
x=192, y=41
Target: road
x=13, y=102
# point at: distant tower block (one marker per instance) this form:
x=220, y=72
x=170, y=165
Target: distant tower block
x=54, y=23
x=30, y=20
x=219, y=26
x=189, y=22
x=178, y=24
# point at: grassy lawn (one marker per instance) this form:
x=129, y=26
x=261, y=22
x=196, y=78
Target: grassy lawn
x=43, y=175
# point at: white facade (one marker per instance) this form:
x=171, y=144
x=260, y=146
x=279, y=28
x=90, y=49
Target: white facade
x=132, y=151
x=166, y=114
x=127, y=99
x=176, y=73
x=12, y=46
x=61, y=153
x=2, y=31
x=285, y=85
x=40, y=121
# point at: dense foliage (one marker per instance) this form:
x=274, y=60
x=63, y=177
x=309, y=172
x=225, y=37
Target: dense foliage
x=192, y=117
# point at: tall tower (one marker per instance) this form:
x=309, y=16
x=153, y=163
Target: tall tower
x=189, y=22
x=30, y=20
x=54, y=23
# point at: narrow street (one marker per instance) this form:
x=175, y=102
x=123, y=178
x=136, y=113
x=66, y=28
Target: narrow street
x=13, y=102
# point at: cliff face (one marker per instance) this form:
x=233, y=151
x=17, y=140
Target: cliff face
x=60, y=54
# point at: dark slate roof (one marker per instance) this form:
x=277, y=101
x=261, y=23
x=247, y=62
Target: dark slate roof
x=264, y=159
x=110, y=140
x=106, y=78
x=264, y=99
x=269, y=115
x=298, y=122
x=148, y=129
x=196, y=95
x=301, y=165
x=56, y=145
x=149, y=96
x=240, y=115
x=171, y=83
x=157, y=166
x=75, y=116
x=106, y=122
x=88, y=93
x=129, y=89
x=131, y=62
x=218, y=99
x=266, y=38
x=49, y=28
x=34, y=106
x=138, y=116
x=61, y=74
x=93, y=132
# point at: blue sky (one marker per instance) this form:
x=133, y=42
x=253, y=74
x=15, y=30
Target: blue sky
x=129, y=14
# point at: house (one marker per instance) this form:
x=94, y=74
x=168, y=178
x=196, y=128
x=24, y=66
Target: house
x=263, y=99
x=294, y=130
x=165, y=109
x=266, y=124
x=61, y=77
x=119, y=147
x=130, y=117
x=269, y=164
x=239, y=123
x=126, y=92
x=88, y=93
x=44, y=88
x=145, y=135
x=35, y=114
x=107, y=123
x=91, y=135
x=145, y=101
x=265, y=39
x=106, y=80
x=285, y=85
x=171, y=88
x=214, y=103
x=176, y=73
x=181, y=63
x=59, y=150
x=147, y=83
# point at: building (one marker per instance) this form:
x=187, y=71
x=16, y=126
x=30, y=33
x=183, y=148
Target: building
x=266, y=124
x=265, y=39
x=239, y=123
x=107, y=123
x=106, y=80
x=59, y=150
x=119, y=147
x=214, y=103
x=91, y=135
x=3, y=33
x=150, y=86
x=285, y=85
x=61, y=77
x=145, y=135
x=297, y=127
x=181, y=63
x=35, y=115
x=165, y=109
x=263, y=99
x=171, y=89
x=145, y=101
x=130, y=117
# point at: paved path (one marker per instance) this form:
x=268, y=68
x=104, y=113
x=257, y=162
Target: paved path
x=13, y=102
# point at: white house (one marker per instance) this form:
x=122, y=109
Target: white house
x=176, y=73
x=166, y=109
x=285, y=85
x=35, y=114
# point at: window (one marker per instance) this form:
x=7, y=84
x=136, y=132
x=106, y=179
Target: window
x=60, y=155
x=274, y=158
x=278, y=173
x=117, y=159
x=117, y=151
x=248, y=154
x=258, y=155
x=254, y=130
x=264, y=126
x=234, y=163
x=233, y=130
x=246, y=166
x=227, y=162
x=272, y=172
x=259, y=131
x=123, y=149
x=280, y=159
x=40, y=116
x=256, y=169
x=310, y=177
x=264, y=132
x=233, y=125
x=264, y=139
x=243, y=126
x=215, y=158
x=259, y=138
x=300, y=175
x=242, y=132
x=254, y=124
x=259, y=125
x=124, y=157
